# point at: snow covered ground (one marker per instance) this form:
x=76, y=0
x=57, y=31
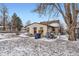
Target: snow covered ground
x=23, y=45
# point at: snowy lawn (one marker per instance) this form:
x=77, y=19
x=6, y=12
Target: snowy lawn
x=23, y=45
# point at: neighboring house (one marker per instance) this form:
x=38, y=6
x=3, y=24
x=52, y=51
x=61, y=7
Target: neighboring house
x=55, y=24
x=1, y=28
x=77, y=30
x=23, y=29
x=43, y=27
x=7, y=29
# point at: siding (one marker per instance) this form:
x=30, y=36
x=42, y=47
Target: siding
x=31, y=30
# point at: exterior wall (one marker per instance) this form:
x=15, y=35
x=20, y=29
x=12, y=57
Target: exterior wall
x=23, y=29
x=56, y=30
x=1, y=28
x=77, y=32
x=31, y=30
x=56, y=27
x=6, y=30
x=50, y=29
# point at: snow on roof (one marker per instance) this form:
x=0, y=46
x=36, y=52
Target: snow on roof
x=54, y=24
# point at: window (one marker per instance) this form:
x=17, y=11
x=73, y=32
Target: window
x=35, y=28
x=53, y=29
x=41, y=28
x=28, y=29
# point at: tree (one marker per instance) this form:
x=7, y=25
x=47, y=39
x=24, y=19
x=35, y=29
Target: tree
x=4, y=12
x=28, y=22
x=14, y=17
x=69, y=12
x=16, y=23
x=9, y=23
x=19, y=24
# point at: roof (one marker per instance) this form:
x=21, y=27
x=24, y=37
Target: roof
x=51, y=23
x=35, y=23
x=39, y=23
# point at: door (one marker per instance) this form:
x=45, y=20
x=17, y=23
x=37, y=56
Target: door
x=35, y=30
x=41, y=30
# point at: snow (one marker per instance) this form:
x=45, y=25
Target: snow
x=22, y=45
x=55, y=24
x=1, y=36
x=23, y=35
x=63, y=37
x=45, y=39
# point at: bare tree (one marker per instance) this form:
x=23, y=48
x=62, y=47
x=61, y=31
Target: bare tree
x=4, y=12
x=69, y=12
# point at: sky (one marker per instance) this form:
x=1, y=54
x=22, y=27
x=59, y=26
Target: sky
x=24, y=11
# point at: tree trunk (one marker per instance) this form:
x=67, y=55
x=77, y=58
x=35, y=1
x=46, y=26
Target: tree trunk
x=71, y=17
x=4, y=28
x=72, y=34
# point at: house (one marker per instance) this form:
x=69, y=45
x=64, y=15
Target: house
x=55, y=24
x=44, y=27
x=77, y=30
x=23, y=29
x=1, y=28
x=7, y=29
